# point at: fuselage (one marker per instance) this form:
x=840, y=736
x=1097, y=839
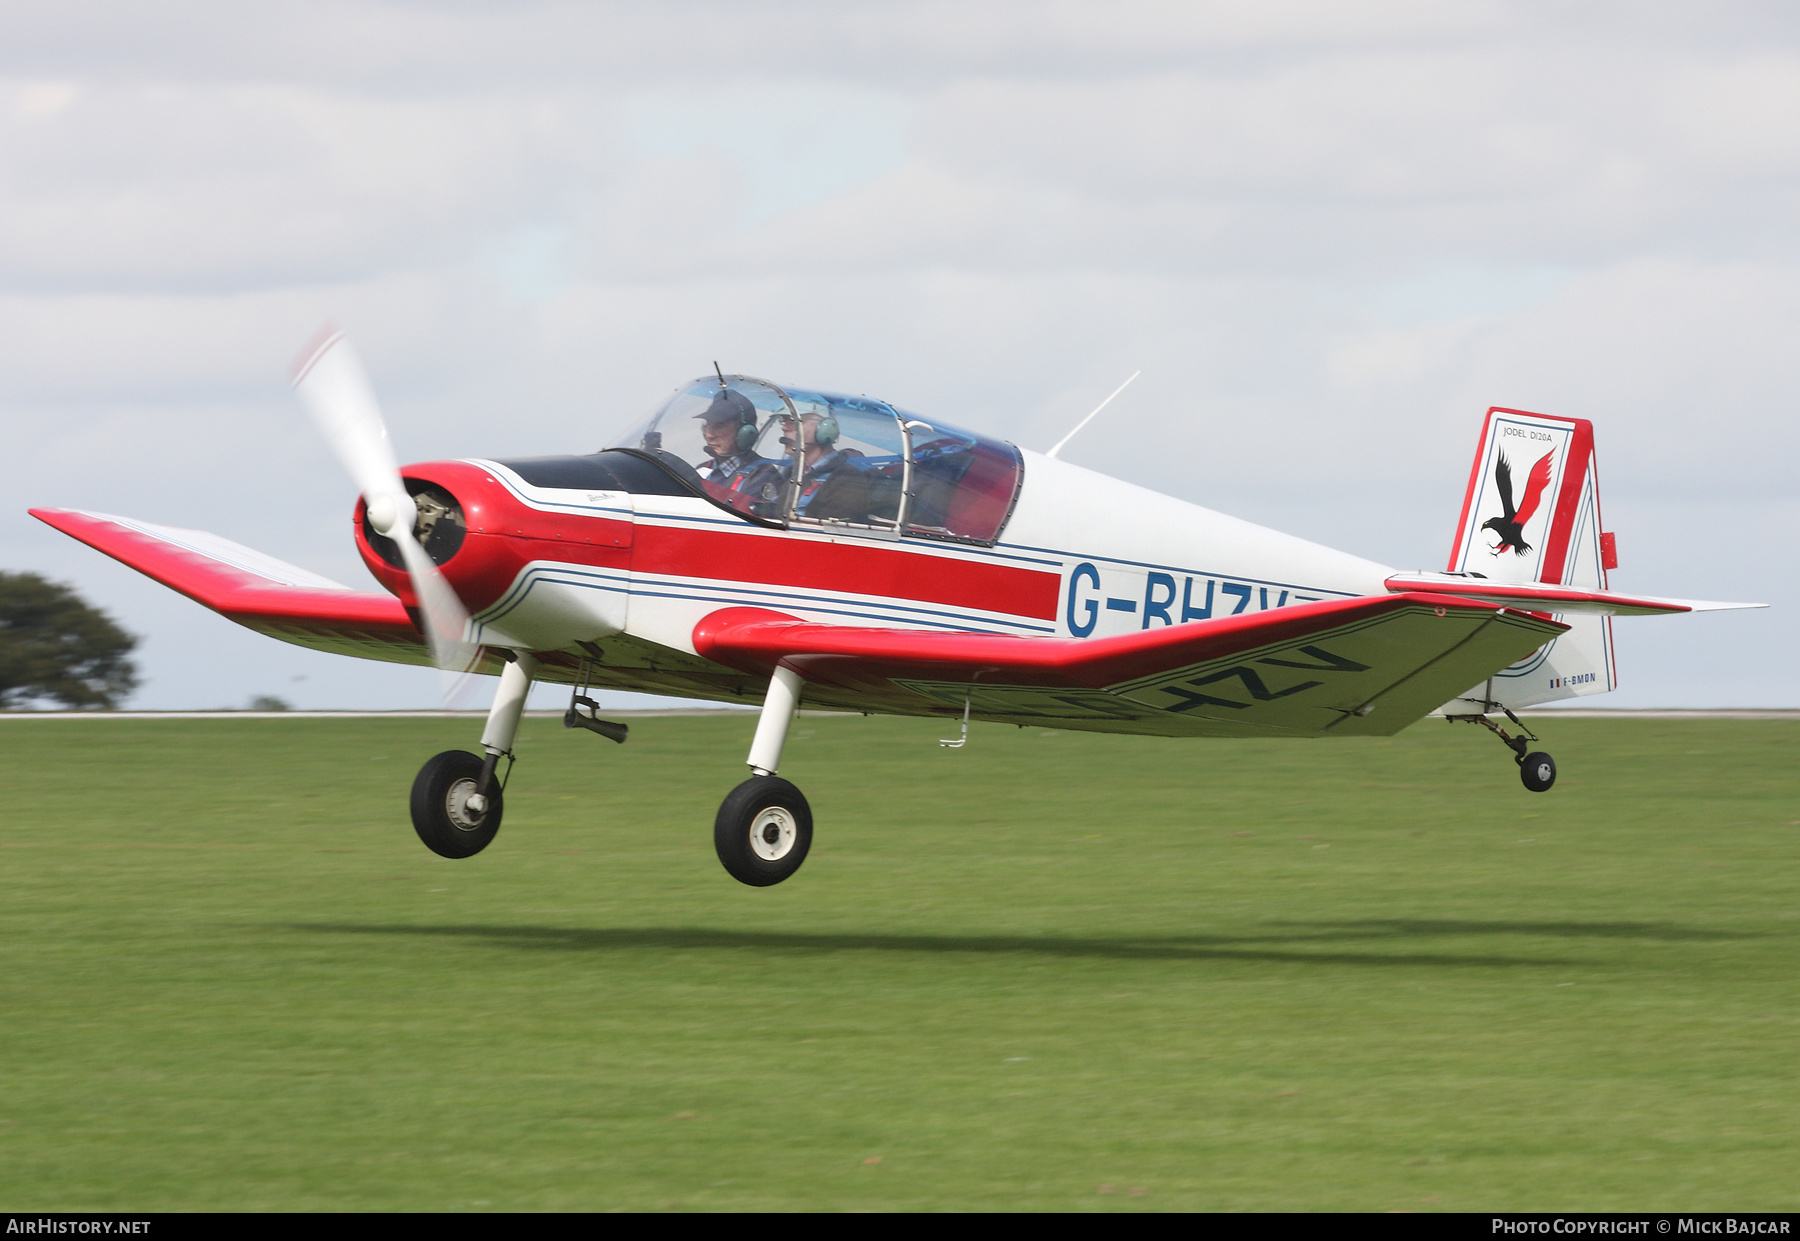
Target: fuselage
x=609, y=582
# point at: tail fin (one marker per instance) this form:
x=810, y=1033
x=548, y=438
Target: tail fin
x=1532, y=514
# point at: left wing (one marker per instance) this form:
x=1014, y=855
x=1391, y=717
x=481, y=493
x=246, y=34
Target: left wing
x=257, y=591
x=1353, y=667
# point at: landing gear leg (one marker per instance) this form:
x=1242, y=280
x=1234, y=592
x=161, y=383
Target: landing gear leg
x=1537, y=770
x=456, y=801
x=764, y=828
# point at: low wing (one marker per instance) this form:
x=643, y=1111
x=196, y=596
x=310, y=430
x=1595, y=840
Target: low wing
x=257, y=591
x=1535, y=482
x=1542, y=597
x=1355, y=667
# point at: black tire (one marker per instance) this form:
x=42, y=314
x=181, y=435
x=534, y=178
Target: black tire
x=1537, y=772
x=769, y=807
x=439, y=815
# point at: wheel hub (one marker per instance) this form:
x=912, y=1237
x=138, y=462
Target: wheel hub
x=772, y=834
x=457, y=809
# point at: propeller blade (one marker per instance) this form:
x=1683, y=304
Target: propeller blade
x=446, y=620
x=334, y=388
x=331, y=383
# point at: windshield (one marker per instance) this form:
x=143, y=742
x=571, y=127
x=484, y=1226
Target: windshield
x=727, y=435
x=810, y=457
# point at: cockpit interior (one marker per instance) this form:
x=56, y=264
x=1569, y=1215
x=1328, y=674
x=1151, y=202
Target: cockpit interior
x=802, y=457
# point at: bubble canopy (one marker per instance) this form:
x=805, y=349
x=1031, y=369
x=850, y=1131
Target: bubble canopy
x=808, y=458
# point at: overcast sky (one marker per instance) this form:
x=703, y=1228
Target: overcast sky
x=1330, y=234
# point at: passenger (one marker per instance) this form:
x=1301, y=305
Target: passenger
x=735, y=473
x=831, y=488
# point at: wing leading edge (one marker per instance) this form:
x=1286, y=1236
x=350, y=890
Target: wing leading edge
x=1356, y=667
x=259, y=592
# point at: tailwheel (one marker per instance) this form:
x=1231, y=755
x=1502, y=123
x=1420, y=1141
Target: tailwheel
x=1537, y=771
x=442, y=813
x=763, y=831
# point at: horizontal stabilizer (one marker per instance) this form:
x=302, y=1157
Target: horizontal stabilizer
x=257, y=591
x=1347, y=667
x=1547, y=597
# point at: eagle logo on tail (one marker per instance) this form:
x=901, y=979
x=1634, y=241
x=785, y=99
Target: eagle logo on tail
x=1510, y=525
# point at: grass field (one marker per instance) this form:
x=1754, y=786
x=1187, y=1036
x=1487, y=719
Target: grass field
x=1048, y=971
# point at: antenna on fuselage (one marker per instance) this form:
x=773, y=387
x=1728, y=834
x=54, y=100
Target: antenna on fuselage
x=720, y=374
x=1102, y=405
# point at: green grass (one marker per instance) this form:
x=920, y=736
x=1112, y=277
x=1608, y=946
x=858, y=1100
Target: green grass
x=1230, y=975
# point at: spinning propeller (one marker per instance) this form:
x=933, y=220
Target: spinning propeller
x=335, y=390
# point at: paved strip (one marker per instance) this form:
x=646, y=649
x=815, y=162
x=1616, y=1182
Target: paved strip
x=1671, y=713
x=1579, y=713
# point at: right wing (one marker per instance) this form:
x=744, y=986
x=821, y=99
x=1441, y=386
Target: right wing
x=1353, y=667
x=259, y=592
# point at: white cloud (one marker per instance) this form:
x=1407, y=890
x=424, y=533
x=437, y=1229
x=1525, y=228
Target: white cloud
x=794, y=143
x=1330, y=235
x=240, y=187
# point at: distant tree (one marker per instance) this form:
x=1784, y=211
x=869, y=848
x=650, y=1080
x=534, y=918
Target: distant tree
x=54, y=646
x=269, y=702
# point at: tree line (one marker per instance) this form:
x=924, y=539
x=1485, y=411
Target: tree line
x=55, y=648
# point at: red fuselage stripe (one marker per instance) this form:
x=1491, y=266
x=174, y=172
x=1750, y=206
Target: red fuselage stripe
x=845, y=567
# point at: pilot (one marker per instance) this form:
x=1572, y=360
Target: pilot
x=734, y=470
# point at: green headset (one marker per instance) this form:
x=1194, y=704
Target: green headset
x=746, y=433
x=826, y=433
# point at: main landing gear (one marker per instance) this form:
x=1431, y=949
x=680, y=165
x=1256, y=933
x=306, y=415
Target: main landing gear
x=764, y=827
x=1537, y=770
x=456, y=799
x=441, y=811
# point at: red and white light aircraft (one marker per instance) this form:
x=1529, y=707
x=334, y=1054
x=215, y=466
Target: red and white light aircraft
x=749, y=541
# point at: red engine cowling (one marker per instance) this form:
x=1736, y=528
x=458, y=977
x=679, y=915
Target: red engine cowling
x=500, y=535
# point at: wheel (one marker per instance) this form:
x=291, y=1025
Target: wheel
x=1537, y=772
x=763, y=831
x=440, y=806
